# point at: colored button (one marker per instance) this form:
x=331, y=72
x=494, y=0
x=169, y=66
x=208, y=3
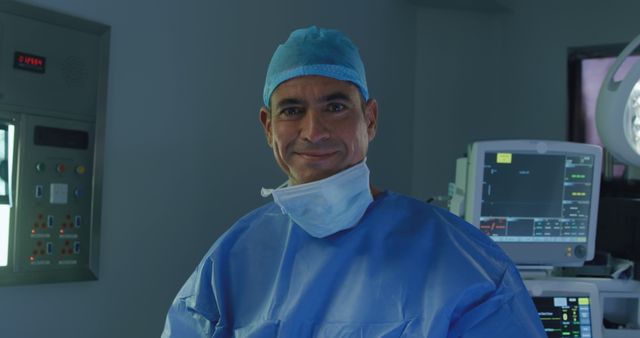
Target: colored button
x=40, y=167
x=80, y=170
x=78, y=192
x=77, y=221
x=60, y=168
x=50, y=221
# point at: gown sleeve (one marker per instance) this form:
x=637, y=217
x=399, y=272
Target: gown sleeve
x=194, y=312
x=508, y=312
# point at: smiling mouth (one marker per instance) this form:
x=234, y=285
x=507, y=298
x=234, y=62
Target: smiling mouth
x=315, y=156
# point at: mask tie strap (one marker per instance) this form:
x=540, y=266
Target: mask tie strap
x=264, y=192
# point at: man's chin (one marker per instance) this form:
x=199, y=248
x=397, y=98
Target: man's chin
x=314, y=176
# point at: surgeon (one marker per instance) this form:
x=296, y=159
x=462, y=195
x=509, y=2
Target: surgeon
x=331, y=255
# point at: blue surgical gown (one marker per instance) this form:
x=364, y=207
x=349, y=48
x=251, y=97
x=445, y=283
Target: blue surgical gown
x=408, y=269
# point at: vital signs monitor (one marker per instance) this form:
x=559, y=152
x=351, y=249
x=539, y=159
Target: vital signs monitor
x=537, y=199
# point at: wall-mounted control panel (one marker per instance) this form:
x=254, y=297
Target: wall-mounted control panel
x=53, y=78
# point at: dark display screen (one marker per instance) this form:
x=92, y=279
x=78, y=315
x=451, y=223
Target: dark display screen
x=62, y=138
x=536, y=198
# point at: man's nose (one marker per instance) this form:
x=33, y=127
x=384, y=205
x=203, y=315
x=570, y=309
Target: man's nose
x=313, y=127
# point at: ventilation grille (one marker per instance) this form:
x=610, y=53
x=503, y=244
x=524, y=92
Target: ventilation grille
x=74, y=71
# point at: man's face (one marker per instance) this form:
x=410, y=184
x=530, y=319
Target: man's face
x=317, y=127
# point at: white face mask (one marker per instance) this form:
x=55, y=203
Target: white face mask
x=326, y=206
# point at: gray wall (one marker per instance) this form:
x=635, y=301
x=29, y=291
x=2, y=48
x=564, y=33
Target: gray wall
x=495, y=74
x=185, y=154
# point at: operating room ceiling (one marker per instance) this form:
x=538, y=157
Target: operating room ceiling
x=466, y=5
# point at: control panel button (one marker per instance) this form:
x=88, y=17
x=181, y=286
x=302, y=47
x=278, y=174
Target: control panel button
x=49, y=248
x=50, y=221
x=78, y=192
x=80, y=170
x=77, y=221
x=76, y=247
x=40, y=167
x=61, y=168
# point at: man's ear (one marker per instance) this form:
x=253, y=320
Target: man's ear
x=371, y=118
x=265, y=119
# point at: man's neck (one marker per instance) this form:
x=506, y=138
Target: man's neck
x=375, y=192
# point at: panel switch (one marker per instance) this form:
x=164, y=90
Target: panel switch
x=39, y=191
x=77, y=221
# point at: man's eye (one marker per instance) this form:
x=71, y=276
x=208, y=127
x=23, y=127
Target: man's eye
x=336, y=107
x=291, y=112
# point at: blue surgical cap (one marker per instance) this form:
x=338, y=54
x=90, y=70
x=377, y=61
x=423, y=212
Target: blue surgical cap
x=316, y=51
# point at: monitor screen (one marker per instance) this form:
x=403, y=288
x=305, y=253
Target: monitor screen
x=565, y=316
x=528, y=197
x=4, y=164
x=537, y=199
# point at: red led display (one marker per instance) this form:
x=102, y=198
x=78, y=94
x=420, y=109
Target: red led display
x=29, y=62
